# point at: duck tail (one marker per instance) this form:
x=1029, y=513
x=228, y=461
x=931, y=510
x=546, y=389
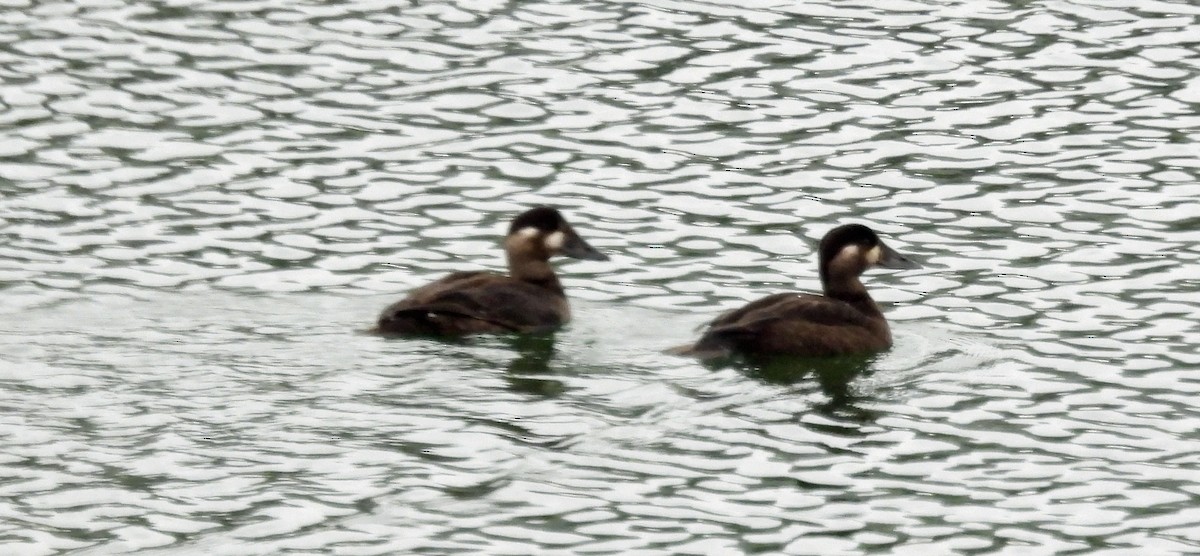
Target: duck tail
x=698, y=350
x=686, y=350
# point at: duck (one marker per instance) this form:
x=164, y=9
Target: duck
x=529, y=299
x=844, y=320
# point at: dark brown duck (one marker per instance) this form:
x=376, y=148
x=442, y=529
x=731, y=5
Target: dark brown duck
x=844, y=320
x=529, y=299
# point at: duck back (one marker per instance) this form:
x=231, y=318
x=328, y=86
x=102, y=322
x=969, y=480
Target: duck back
x=473, y=303
x=794, y=324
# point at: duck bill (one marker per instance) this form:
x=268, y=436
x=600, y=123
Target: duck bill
x=890, y=258
x=576, y=248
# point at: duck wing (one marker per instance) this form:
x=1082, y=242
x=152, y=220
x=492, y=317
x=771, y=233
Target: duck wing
x=474, y=302
x=761, y=306
x=792, y=323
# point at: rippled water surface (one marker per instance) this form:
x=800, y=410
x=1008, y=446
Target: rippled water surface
x=200, y=200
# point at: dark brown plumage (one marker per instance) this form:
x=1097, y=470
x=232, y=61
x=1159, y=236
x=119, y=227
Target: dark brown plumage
x=529, y=299
x=844, y=320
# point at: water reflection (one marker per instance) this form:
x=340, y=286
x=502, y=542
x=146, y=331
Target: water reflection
x=529, y=371
x=832, y=375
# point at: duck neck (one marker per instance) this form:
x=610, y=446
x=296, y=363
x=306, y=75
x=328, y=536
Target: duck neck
x=849, y=288
x=534, y=271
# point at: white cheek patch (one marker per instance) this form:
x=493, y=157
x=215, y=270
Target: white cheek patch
x=849, y=253
x=874, y=255
x=555, y=241
x=528, y=232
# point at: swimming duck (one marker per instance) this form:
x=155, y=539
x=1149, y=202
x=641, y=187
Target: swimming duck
x=529, y=299
x=844, y=320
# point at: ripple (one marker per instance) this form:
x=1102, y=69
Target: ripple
x=198, y=204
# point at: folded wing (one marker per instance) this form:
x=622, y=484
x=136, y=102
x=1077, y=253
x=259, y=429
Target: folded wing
x=473, y=302
x=791, y=323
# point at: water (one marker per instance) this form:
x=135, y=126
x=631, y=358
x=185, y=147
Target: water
x=198, y=199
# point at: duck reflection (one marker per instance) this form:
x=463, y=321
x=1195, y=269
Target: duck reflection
x=833, y=375
x=529, y=371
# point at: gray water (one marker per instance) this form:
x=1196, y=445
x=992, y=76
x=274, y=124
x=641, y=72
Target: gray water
x=199, y=201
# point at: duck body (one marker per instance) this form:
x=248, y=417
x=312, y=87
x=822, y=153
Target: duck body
x=529, y=299
x=476, y=303
x=845, y=320
x=796, y=324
